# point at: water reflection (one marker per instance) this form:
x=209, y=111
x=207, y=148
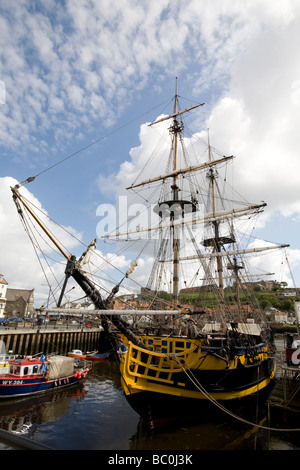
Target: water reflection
x=23, y=414
x=94, y=415
x=209, y=435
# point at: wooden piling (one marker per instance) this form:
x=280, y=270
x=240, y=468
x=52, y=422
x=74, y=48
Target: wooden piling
x=48, y=340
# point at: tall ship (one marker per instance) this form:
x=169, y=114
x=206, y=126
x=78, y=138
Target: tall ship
x=194, y=337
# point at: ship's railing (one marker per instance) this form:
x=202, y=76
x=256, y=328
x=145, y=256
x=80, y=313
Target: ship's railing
x=158, y=366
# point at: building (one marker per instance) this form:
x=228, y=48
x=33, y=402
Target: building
x=19, y=302
x=276, y=316
x=3, y=290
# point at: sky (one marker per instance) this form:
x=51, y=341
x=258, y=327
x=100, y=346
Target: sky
x=80, y=80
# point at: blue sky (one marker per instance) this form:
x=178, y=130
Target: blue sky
x=77, y=72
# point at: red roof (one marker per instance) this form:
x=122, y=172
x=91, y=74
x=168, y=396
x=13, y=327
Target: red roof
x=26, y=361
x=2, y=280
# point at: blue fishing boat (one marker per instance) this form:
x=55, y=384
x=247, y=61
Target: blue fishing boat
x=95, y=356
x=31, y=375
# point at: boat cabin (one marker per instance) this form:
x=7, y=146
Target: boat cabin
x=25, y=367
x=77, y=352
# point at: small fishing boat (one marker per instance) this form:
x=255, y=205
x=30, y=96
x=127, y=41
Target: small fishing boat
x=77, y=353
x=31, y=375
x=91, y=356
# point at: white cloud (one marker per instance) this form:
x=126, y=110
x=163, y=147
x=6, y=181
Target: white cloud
x=30, y=260
x=273, y=264
x=71, y=68
x=123, y=44
x=66, y=57
x=257, y=119
x=21, y=258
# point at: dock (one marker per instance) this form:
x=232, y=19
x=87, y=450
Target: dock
x=29, y=340
x=284, y=401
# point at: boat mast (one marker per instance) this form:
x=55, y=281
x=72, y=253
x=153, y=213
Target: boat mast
x=217, y=245
x=175, y=129
x=176, y=205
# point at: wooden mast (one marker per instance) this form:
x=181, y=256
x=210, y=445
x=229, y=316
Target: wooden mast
x=175, y=129
x=216, y=225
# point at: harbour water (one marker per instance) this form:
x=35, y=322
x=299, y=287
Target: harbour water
x=94, y=415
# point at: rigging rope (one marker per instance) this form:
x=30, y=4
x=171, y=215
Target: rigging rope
x=32, y=178
x=200, y=387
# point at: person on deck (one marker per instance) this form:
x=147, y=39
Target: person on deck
x=122, y=349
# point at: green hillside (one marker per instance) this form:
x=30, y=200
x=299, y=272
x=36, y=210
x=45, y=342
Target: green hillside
x=275, y=298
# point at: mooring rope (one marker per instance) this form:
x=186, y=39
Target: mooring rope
x=222, y=408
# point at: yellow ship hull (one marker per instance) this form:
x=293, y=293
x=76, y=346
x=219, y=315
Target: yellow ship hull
x=187, y=374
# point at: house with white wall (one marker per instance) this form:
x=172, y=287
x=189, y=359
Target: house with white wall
x=3, y=289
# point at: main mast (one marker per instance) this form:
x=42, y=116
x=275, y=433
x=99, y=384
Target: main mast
x=176, y=205
x=175, y=129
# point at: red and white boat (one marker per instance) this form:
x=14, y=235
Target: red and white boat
x=31, y=375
